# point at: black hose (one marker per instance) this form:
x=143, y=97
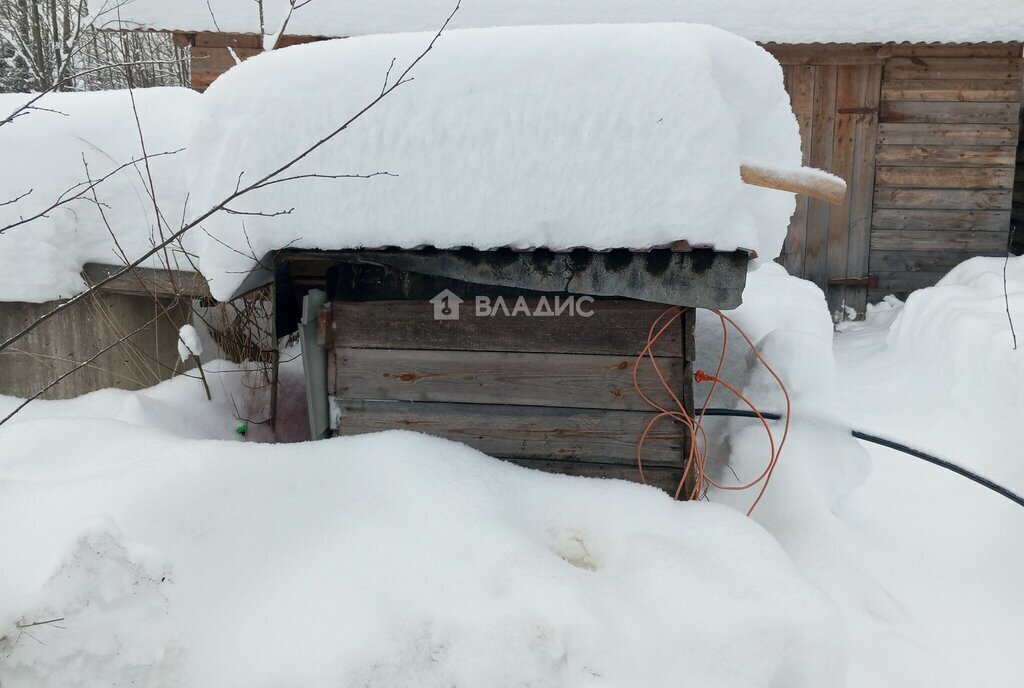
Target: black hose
x=890, y=444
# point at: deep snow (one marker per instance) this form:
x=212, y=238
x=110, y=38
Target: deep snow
x=598, y=136
x=782, y=21
x=178, y=557
x=46, y=152
x=381, y=560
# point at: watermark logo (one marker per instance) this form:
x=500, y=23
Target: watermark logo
x=446, y=306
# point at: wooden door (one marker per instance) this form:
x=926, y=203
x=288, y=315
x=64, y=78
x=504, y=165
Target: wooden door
x=837, y=108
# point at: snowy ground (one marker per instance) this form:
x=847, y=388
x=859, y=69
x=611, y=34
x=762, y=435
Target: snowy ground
x=175, y=553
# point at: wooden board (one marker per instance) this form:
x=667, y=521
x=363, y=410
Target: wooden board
x=953, y=68
x=801, y=89
x=902, y=133
x=832, y=54
x=823, y=122
x=527, y=432
x=920, y=261
x=942, y=198
x=946, y=156
x=835, y=103
x=940, y=221
x=945, y=177
x=931, y=240
x=208, y=39
x=947, y=135
x=617, y=327
x=1005, y=50
x=661, y=477
x=485, y=377
x=949, y=112
x=955, y=90
x=901, y=282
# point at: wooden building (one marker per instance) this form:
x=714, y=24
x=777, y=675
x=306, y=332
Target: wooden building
x=926, y=134
x=525, y=355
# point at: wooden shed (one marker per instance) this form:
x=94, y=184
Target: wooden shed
x=927, y=136
x=926, y=133
x=525, y=355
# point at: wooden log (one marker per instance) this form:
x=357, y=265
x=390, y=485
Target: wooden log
x=941, y=220
x=806, y=181
x=945, y=177
x=617, y=327
x=524, y=432
x=486, y=377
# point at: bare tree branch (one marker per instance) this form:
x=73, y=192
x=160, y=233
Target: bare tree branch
x=81, y=190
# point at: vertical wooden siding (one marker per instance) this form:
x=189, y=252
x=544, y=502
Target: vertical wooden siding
x=835, y=104
x=1017, y=216
x=948, y=134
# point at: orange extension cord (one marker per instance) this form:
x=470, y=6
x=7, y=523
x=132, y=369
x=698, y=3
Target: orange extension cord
x=696, y=459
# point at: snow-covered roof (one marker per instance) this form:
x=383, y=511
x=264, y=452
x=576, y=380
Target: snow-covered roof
x=43, y=158
x=595, y=136
x=783, y=21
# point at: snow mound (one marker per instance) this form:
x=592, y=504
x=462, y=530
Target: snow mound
x=45, y=153
x=380, y=560
x=600, y=136
x=958, y=332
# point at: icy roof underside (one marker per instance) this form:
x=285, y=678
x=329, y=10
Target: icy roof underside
x=783, y=21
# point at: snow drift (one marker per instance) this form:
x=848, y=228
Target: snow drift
x=45, y=152
x=382, y=560
x=597, y=136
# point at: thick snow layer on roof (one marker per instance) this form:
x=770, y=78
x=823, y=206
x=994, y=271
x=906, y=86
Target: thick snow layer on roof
x=784, y=21
x=44, y=155
x=598, y=136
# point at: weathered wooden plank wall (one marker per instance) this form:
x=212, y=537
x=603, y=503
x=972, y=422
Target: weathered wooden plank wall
x=554, y=393
x=948, y=136
x=927, y=136
x=1017, y=218
x=835, y=94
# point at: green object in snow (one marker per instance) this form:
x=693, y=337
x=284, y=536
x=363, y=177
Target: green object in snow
x=242, y=429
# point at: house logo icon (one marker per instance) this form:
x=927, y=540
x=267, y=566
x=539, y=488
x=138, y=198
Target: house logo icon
x=446, y=305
